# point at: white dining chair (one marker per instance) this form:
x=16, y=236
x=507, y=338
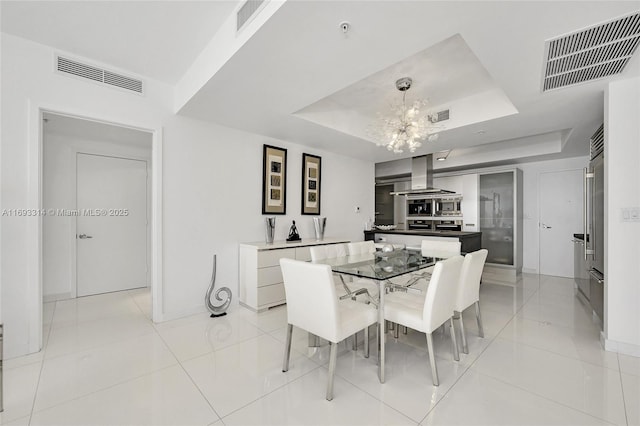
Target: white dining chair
x=361, y=290
x=427, y=312
x=361, y=247
x=312, y=305
x=332, y=251
x=436, y=248
x=469, y=291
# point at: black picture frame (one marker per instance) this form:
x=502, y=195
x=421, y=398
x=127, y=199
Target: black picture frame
x=274, y=180
x=311, y=184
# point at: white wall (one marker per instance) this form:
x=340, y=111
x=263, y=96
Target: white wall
x=59, y=192
x=622, y=239
x=211, y=186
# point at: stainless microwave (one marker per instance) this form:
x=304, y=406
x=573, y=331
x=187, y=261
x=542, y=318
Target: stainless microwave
x=419, y=207
x=449, y=206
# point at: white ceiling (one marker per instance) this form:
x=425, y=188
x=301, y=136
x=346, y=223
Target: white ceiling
x=300, y=57
x=95, y=131
x=157, y=39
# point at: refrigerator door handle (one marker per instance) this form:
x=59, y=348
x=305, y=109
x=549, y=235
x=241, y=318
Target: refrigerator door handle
x=585, y=209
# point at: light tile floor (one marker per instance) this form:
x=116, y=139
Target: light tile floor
x=105, y=362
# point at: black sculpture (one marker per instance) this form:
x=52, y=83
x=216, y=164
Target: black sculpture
x=293, y=233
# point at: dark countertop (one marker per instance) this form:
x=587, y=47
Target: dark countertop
x=424, y=233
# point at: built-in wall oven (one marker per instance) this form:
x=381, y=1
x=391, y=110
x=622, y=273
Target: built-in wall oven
x=448, y=225
x=420, y=224
x=448, y=206
x=419, y=207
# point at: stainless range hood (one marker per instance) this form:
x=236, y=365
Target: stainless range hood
x=422, y=178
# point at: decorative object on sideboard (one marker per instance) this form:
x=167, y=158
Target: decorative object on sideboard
x=274, y=180
x=319, y=225
x=293, y=233
x=217, y=311
x=311, y=168
x=404, y=127
x=270, y=229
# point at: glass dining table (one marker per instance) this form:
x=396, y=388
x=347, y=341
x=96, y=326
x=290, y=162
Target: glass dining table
x=381, y=266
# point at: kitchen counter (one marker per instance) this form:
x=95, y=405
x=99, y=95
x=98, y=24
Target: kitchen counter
x=470, y=241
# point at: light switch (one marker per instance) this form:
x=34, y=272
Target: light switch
x=631, y=214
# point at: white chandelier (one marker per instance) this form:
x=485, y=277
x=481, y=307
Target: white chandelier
x=405, y=127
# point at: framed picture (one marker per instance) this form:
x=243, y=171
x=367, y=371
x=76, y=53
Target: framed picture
x=274, y=180
x=311, y=173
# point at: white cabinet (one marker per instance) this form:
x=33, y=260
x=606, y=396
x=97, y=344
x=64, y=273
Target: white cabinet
x=470, y=202
x=261, y=284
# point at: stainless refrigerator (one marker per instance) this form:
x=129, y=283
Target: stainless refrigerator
x=594, y=222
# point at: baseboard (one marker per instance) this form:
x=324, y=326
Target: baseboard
x=620, y=347
x=55, y=297
x=530, y=271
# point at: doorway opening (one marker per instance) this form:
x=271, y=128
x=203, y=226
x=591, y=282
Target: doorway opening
x=36, y=191
x=96, y=188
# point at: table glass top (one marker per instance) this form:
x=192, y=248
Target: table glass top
x=380, y=265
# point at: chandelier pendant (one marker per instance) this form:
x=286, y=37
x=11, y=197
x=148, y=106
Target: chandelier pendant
x=406, y=128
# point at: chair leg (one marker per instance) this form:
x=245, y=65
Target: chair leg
x=432, y=360
x=366, y=342
x=287, y=349
x=355, y=342
x=479, y=319
x=396, y=331
x=404, y=329
x=454, y=341
x=465, y=348
x=332, y=369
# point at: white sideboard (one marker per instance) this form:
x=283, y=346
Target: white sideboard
x=261, y=284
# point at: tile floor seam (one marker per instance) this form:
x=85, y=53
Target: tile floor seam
x=556, y=353
x=44, y=350
x=93, y=348
x=543, y=397
x=104, y=389
x=138, y=306
x=624, y=401
x=214, y=350
x=190, y=378
x=270, y=392
x=471, y=364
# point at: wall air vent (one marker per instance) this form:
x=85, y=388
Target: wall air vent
x=248, y=9
x=68, y=66
x=596, y=145
x=440, y=116
x=590, y=54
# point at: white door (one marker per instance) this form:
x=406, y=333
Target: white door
x=560, y=218
x=111, y=232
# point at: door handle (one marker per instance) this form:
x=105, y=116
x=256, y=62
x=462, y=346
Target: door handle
x=545, y=226
x=84, y=236
x=596, y=276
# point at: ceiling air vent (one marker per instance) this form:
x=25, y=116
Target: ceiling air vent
x=100, y=75
x=590, y=54
x=440, y=116
x=597, y=142
x=248, y=9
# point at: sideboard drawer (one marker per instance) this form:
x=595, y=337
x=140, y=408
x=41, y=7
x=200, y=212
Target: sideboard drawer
x=272, y=257
x=271, y=294
x=270, y=275
x=303, y=253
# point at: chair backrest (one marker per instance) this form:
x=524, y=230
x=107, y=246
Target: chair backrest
x=441, y=293
x=469, y=285
x=442, y=249
x=362, y=247
x=328, y=251
x=311, y=297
